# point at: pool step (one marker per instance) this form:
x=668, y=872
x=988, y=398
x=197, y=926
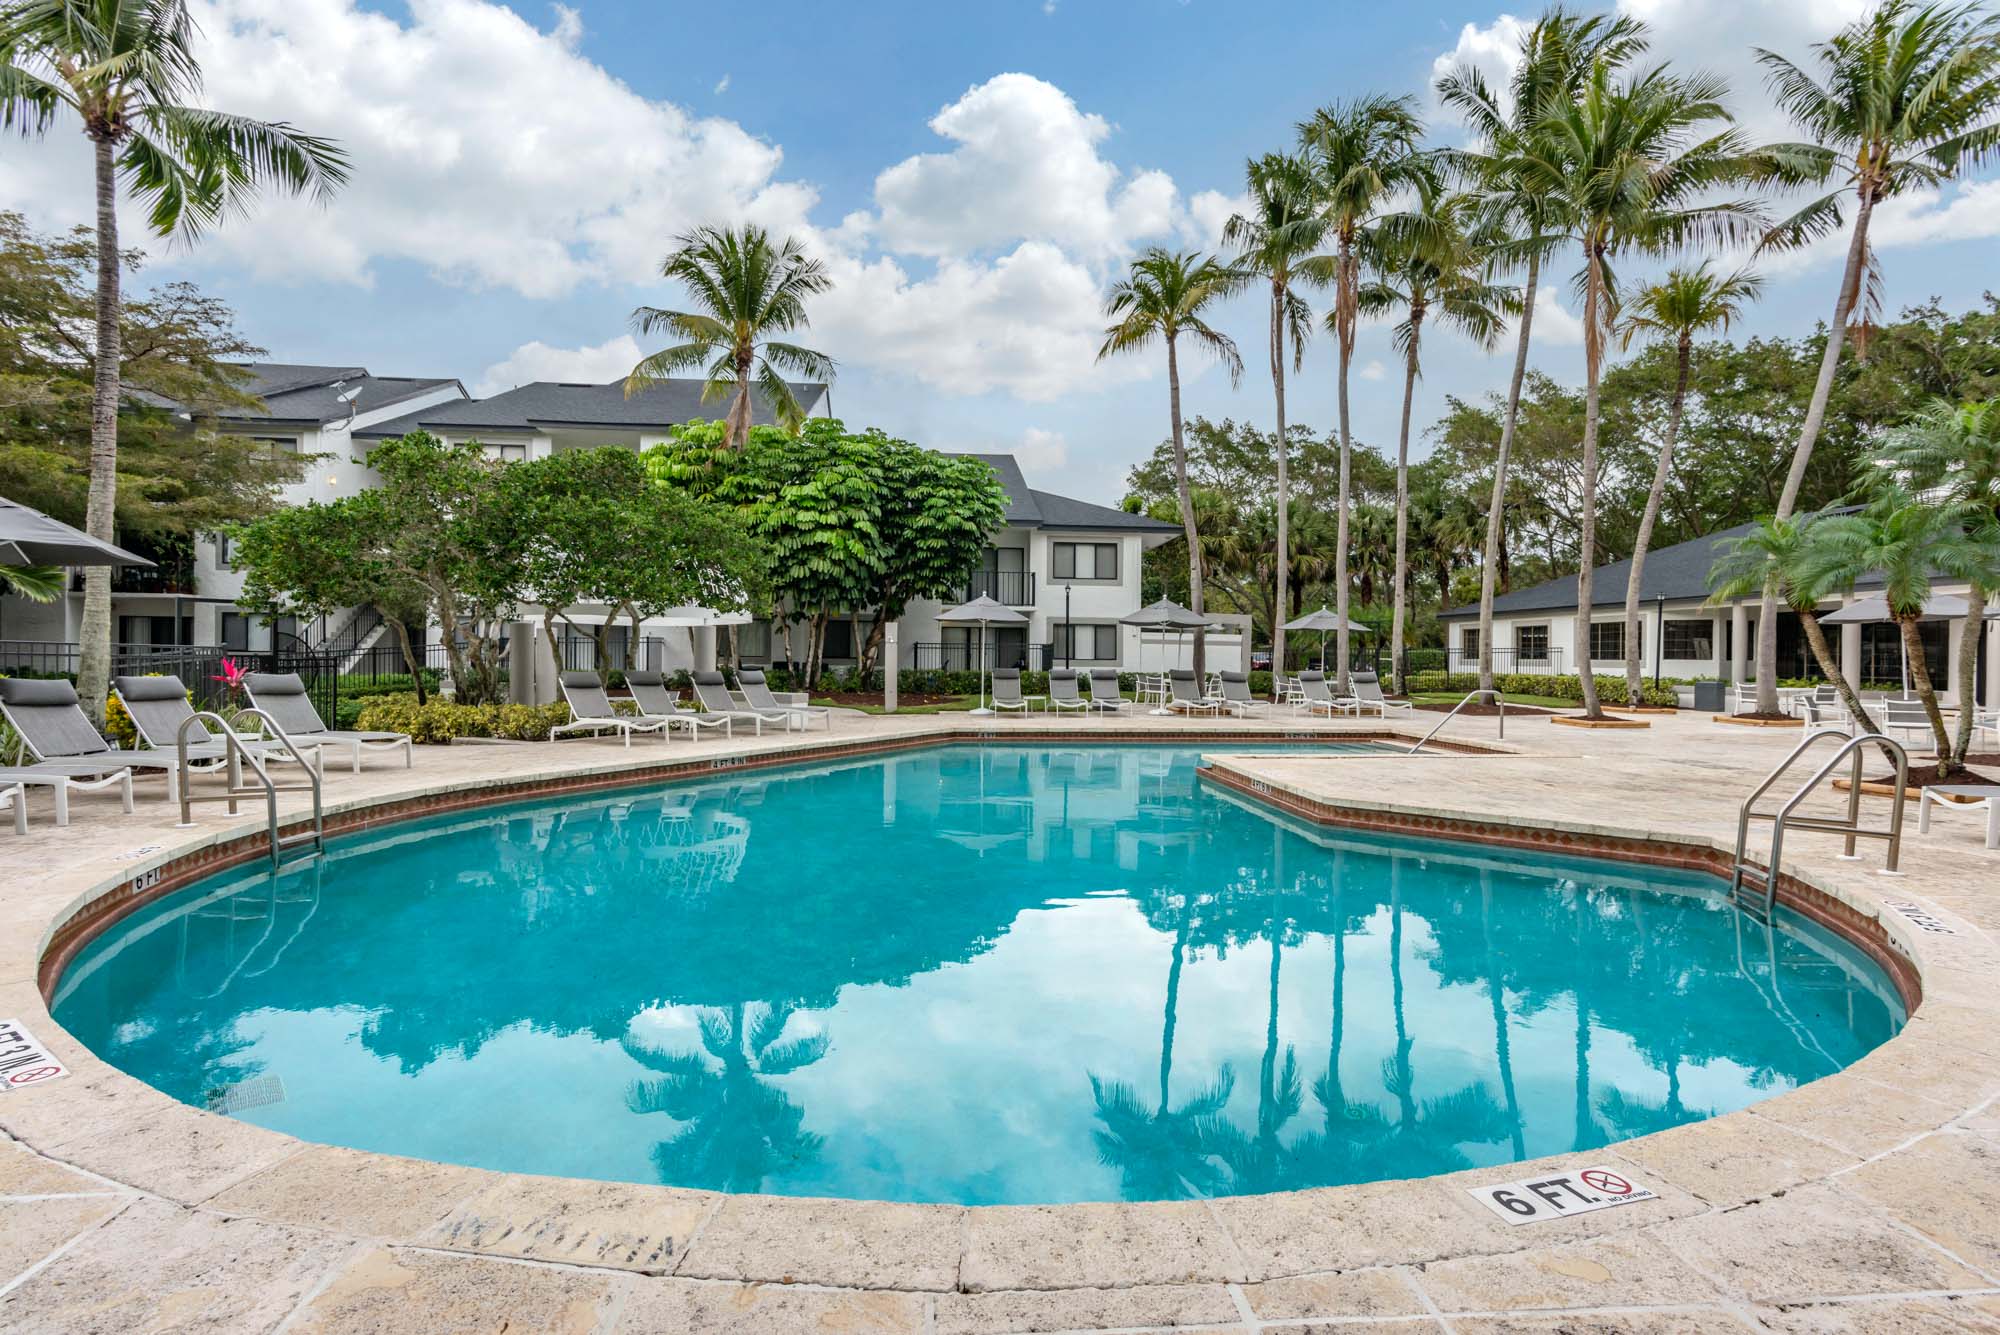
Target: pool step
x=307, y=839
x=1747, y=895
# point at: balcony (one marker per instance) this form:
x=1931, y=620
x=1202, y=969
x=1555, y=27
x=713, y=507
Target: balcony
x=1014, y=588
x=143, y=579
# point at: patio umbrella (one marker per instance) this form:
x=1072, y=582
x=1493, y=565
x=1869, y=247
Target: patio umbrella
x=30, y=538
x=1323, y=621
x=1163, y=616
x=982, y=612
x=1875, y=608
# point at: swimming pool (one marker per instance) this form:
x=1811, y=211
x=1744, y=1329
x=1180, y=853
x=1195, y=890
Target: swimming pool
x=980, y=974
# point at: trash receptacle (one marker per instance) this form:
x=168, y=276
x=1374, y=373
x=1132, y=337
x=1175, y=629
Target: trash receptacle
x=1709, y=696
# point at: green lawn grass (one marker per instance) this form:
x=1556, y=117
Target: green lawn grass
x=1453, y=697
x=956, y=704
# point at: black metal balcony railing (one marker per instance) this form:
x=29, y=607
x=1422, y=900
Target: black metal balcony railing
x=1546, y=662
x=930, y=656
x=1015, y=588
x=141, y=579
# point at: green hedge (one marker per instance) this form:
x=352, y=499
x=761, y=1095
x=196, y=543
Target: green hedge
x=438, y=721
x=1609, y=689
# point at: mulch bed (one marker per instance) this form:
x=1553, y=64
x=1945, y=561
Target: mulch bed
x=1779, y=717
x=1923, y=774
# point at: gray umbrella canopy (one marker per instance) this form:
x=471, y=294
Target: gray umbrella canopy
x=1324, y=620
x=982, y=611
x=30, y=538
x=1166, y=614
x=1875, y=607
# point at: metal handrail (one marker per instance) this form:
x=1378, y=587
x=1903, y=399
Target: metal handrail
x=1470, y=696
x=237, y=752
x=1783, y=818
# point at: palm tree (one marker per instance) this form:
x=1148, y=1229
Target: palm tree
x=1910, y=541
x=1361, y=153
x=127, y=69
x=1440, y=264
x=1634, y=163
x=1779, y=554
x=1952, y=452
x=1164, y=297
x=1555, y=55
x=1280, y=233
x=747, y=289
x=1684, y=303
x=1906, y=97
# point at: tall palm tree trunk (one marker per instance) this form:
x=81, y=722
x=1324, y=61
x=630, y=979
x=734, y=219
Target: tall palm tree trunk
x=1920, y=673
x=1634, y=669
x=1284, y=561
x=1342, y=638
x=1403, y=507
x=1593, y=357
x=737, y=427
x=1173, y=1006
x=1495, y=551
x=1816, y=637
x=1186, y=495
x=1968, y=669
x=1795, y=478
x=93, y=668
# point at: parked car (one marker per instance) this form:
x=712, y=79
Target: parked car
x=1260, y=660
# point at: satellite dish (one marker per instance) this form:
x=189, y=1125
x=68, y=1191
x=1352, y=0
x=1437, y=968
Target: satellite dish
x=347, y=397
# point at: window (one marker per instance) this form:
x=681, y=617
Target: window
x=1690, y=639
x=1086, y=560
x=1531, y=643
x=839, y=641
x=278, y=444
x=505, y=451
x=1087, y=643
x=1468, y=641
x=754, y=639
x=225, y=553
x=1607, y=640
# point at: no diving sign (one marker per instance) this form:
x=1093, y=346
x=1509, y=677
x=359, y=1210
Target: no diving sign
x=1541, y=1199
x=23, y=1060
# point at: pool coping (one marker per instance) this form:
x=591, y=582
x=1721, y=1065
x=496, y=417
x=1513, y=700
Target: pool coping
x=137, y=1141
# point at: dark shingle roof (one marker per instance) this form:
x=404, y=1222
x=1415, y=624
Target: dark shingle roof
x=553, y=403
x=1021, y=508
x=1066, y=512
x=293, y=392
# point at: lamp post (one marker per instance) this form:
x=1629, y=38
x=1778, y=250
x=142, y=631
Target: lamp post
x=1069, y=631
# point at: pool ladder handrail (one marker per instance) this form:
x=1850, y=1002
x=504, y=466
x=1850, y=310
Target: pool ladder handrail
x=238, y=754
x=1742, y=871
x=1470, y=696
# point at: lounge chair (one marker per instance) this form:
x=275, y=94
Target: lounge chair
x=1104, y=693
x=1236, y=697
x=591, y=711
x=713, y=692
x=1988, y=795
x=283, y=696
x=1314, y=697
x=158, y=707
x=1368, y=695
x=1905, y=716
x=53, y=730
x=757, y=692
x=649, y=689
x=1184, y=695
x=1063, y=693
x=1007, y=690
x=15, y=780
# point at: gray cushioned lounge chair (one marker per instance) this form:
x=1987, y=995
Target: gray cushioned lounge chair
x=1007, y=690
x=757, y=691
x=1236, y=697
x=1969, y=795
x=16, y=780
x=1063, y=693
x=51, y=728
x=649, y=689
x=159, y=706
x=713, y=692
x=283, y=696
x=1368, y=695
x=1104, y=693
x=1184, y=694
x=591, y=711
x=1314, y=697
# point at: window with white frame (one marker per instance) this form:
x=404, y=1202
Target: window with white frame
x=505, y=451
x=1086, y=560
x=1689, y=638
x=1531, y=643
x=1468, y=641
x=1607, y=639
x=1087, y=643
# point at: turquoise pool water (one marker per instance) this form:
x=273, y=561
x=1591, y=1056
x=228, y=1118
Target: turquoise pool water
x=976, y=974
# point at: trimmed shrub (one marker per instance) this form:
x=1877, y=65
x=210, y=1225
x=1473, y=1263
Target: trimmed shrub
x=437, y=722
x=1609, y=689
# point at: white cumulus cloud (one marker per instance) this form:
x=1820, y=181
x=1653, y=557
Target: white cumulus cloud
x=1041, y=451
x=607, y=361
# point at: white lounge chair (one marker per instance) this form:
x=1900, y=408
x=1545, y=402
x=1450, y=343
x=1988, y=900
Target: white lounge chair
x=757, y=691
x=52, y=729
x=1235, y=695
x=1184, y=695
x=713, y=692
x=1007, y=690
x=158, y=708
x=649, y=689
x=15, y=781
x=1988, y=795
x=1906, y=716
x=591, y=711
x=1368, y=695
x=1313, y=697
x=1063, y=696
x=1104, y=692
x=283, y=696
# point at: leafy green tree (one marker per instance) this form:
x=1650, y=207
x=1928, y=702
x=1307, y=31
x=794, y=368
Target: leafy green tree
x=1440, y=264
x=126, y=69
x=1273, y=240
x=1783, y=554
x=1165, y=296
x=938, y=512
x=1634, y=162
x=1951, y=453
x=1556, y=53
x=1904, y=98
x=1681, y=305
x=1359, y=155
x=176, y=475
x=1910, y=542
x=747, y=289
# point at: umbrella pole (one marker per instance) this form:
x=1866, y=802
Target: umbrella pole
x=982, y=709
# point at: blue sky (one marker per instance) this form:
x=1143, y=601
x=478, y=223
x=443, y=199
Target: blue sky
x=974, y=175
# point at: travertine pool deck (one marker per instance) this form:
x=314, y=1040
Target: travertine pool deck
x=1867, y=1201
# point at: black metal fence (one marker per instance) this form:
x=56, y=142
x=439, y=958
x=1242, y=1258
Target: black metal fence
x=1542, y=661
x=931, y=656
x=1015, y=588
x=206, y=670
